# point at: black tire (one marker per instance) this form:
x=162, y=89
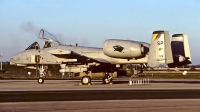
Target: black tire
x=105, y=79
x=40, y=80
x=85, y=80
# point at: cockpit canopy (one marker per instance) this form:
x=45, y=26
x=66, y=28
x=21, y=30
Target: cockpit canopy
x=48, y=37
x=34, y=45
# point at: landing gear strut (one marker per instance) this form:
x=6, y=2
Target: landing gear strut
x=43, y=72
x=141, y=74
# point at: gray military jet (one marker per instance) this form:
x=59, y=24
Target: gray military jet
x=108, y=59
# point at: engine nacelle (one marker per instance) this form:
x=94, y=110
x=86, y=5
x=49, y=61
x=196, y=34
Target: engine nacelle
x=125, y=49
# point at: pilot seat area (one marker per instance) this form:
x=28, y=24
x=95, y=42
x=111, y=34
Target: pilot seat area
x=34, y=45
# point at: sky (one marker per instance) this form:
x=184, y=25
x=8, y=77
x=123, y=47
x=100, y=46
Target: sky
x=91, y=22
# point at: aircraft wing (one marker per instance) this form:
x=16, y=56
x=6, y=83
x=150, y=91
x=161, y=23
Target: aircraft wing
x=69, y=54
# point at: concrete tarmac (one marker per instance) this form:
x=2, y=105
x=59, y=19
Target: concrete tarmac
x=161, y=95
x=119, y=84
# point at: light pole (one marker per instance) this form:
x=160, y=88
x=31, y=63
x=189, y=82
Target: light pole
x=1, y=55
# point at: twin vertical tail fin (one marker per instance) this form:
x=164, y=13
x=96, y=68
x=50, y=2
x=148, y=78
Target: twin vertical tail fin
x=180, y=50
x=160, y=51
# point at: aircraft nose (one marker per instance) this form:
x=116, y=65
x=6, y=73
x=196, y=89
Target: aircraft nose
x=12, y=60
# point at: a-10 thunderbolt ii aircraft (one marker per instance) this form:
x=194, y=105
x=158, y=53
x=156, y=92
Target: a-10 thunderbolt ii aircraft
x=108, y=59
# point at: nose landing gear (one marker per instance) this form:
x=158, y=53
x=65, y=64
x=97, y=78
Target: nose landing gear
x=43, y=72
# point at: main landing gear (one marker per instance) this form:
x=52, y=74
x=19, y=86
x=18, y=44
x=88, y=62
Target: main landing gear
x=107, y=79
x=85, y=80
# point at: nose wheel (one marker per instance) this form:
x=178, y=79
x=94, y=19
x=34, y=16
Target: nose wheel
x=40, y=80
